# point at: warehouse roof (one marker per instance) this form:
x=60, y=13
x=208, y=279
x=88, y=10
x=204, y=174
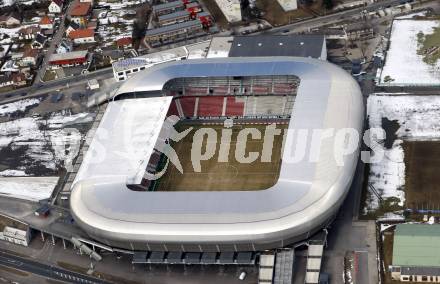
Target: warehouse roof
x=416, y=245
x=278, y=45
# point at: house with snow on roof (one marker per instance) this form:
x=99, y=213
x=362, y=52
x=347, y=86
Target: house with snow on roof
x=10, y=20
x=39, y=41
x=28, y=33
x=65, y=46
x=82, y=36
x=46, y=23
x=55, y=7
x=72, y=27
x=30, y=57
x=80, y=13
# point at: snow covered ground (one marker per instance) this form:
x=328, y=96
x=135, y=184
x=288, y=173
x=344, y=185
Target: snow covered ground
x=29, y=188
x=38, y=144
x=419, y=119
x=403, y=65
x=18, y=106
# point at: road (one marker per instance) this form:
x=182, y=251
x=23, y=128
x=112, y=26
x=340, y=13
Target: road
x=307, y=25
x=47, y=271
x=44, y=88
x=56, y=39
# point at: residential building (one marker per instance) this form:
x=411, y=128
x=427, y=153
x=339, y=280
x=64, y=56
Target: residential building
x=181, y=16
x=82, y=36
x=64, y=46
x=10, y=66
x=10, y=20
x=39, y=41
x=30, y=57
x=171, y=7
x=124, y=42
x=80, y=12
x=74, y=58
x=19, y=79
x=28, y=33
x=171, y=33
x=46, y=23
x=72, y=27
x=5, y=81
x=416, y=250
x=55, y=7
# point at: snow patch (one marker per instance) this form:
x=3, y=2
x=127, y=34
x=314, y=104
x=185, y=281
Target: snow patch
x=403, y=65
x=28, y=188
x=17, y=106
x=419, y=119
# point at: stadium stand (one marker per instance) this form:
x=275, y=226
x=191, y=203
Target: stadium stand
x=188, y=105
x=210, y=106
x=173, y=109
x=234, y=106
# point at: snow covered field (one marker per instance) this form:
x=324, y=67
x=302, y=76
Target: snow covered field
x=419, y=119
x=38, y=145
x=17, y=106
x=403, y=65
x=28, y=188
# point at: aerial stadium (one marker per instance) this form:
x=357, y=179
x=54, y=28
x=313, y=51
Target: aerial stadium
x=129, y=194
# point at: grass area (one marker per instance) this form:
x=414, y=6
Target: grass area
x=387, y=255
x=429, y=46
x=422, y=181
x=49, y=75
x=108, y=277
x=225, y=175
x=275, y=15
x=13, y=271
x=6, y=89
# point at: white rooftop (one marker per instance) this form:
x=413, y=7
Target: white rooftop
x=288, y=5
x=314, y=263
x=124, y=140
x=220, y=46
x=231, y=9
x=28, y=188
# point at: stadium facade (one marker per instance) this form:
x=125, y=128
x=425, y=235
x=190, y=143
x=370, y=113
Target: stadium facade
x=304, y=199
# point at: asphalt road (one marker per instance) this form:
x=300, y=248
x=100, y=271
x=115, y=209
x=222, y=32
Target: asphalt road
x=332, y=18
x=47, y=271
x=43, y=88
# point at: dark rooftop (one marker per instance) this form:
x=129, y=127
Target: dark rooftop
x=274, y=45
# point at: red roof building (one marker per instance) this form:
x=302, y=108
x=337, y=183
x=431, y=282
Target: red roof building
x=124, y=42
x=46, y=23
x=81, y=9
x=69, y=58
x=81, y=33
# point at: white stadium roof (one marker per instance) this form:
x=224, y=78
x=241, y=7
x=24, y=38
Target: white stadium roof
x=304, y=198
x=124, y=140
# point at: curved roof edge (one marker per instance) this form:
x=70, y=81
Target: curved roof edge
x=305, y=194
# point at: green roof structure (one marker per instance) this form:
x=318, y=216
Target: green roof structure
x=416, y=245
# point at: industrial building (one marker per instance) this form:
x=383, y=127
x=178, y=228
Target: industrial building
x=313, y=46
x=416, y=248
x=112, y=199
